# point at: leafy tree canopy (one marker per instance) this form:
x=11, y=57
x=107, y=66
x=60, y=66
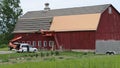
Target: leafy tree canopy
x=10, y=11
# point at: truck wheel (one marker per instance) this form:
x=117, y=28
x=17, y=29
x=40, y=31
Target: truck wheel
x=108, y=53
x=34, y=50
x=112, y=53
x=10, y=48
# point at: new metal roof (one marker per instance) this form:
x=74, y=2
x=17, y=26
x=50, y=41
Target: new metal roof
x=36, y=20
x=82, y=22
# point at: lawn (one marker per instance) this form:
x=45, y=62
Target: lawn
x=4, y=49
x=63, y=60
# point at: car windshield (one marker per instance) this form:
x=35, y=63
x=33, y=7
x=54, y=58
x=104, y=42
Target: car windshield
x=30, y=46
x=25, y=45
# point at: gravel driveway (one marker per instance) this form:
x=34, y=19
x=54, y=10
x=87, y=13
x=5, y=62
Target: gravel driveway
x=5, y=52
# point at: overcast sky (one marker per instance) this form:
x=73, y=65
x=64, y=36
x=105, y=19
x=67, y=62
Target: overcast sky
x=35, y=5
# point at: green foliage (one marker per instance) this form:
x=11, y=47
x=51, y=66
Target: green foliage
x=42, y=54
x=5, y=60
x=56, y=53
x=3, y=46
x=9, y=13
x=52, y=53
x=4, y=39
x=47, y=54
x=88, y=60
x=98, y=61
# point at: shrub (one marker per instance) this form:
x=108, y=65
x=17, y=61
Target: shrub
x=61, y=57
x=5, y=60
x=14, y=62
x=3, y=45
x=47, y=54
x=36, y=55
x=52, y=52
x=42, y=54
x=56, y=53
x=29, y=59
x=85, y=53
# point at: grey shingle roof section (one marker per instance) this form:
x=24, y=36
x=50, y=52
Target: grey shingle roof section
x=32, y=25
x=36, y=20
x=67, y=11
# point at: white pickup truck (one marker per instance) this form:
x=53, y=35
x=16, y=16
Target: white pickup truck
x=24, y=47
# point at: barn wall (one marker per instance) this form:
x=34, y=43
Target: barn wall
x=30, y=37
x=108, y=32
x=68, y=40
x=109, y=26
x=77, y=40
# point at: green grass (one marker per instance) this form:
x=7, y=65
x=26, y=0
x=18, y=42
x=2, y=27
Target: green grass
x=4, y=49
x=92, y=62
x=76, y=60
x=15, y=55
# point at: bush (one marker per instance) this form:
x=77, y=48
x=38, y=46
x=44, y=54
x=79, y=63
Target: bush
x=56, y=53
x=5, y=60
x=29, y=59
x=36, y=55
x=52, y=52
x=42, y=54
x=47, y=54
x=3, y=45
x=5, y=38
x=61, y=57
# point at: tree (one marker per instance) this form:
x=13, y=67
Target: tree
x=10, y=11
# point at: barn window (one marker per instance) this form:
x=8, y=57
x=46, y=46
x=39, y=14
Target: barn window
x=51, y=43
x=39, y=43
x=34, y=43
x=45, y=43
x=110, y=10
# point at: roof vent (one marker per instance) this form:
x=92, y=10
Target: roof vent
x=46, y=7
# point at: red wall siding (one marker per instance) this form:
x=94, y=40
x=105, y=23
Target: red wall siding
x=77, y=40
x=109, y=26
x=68, y=40
x=34, y=37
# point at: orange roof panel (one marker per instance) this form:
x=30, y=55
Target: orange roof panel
x=76, y=22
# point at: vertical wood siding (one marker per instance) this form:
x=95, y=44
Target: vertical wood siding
x=68, y=40
x=34, y=37
x=109, y=26
x=77, y=40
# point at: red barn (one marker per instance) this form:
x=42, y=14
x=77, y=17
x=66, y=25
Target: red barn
x=78, y=28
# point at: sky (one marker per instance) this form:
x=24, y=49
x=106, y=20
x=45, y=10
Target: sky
x=36, y=5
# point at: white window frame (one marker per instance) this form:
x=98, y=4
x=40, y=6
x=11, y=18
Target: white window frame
x=40, y=43
x=51, y=43
x=34, y=43
x=45, y=43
